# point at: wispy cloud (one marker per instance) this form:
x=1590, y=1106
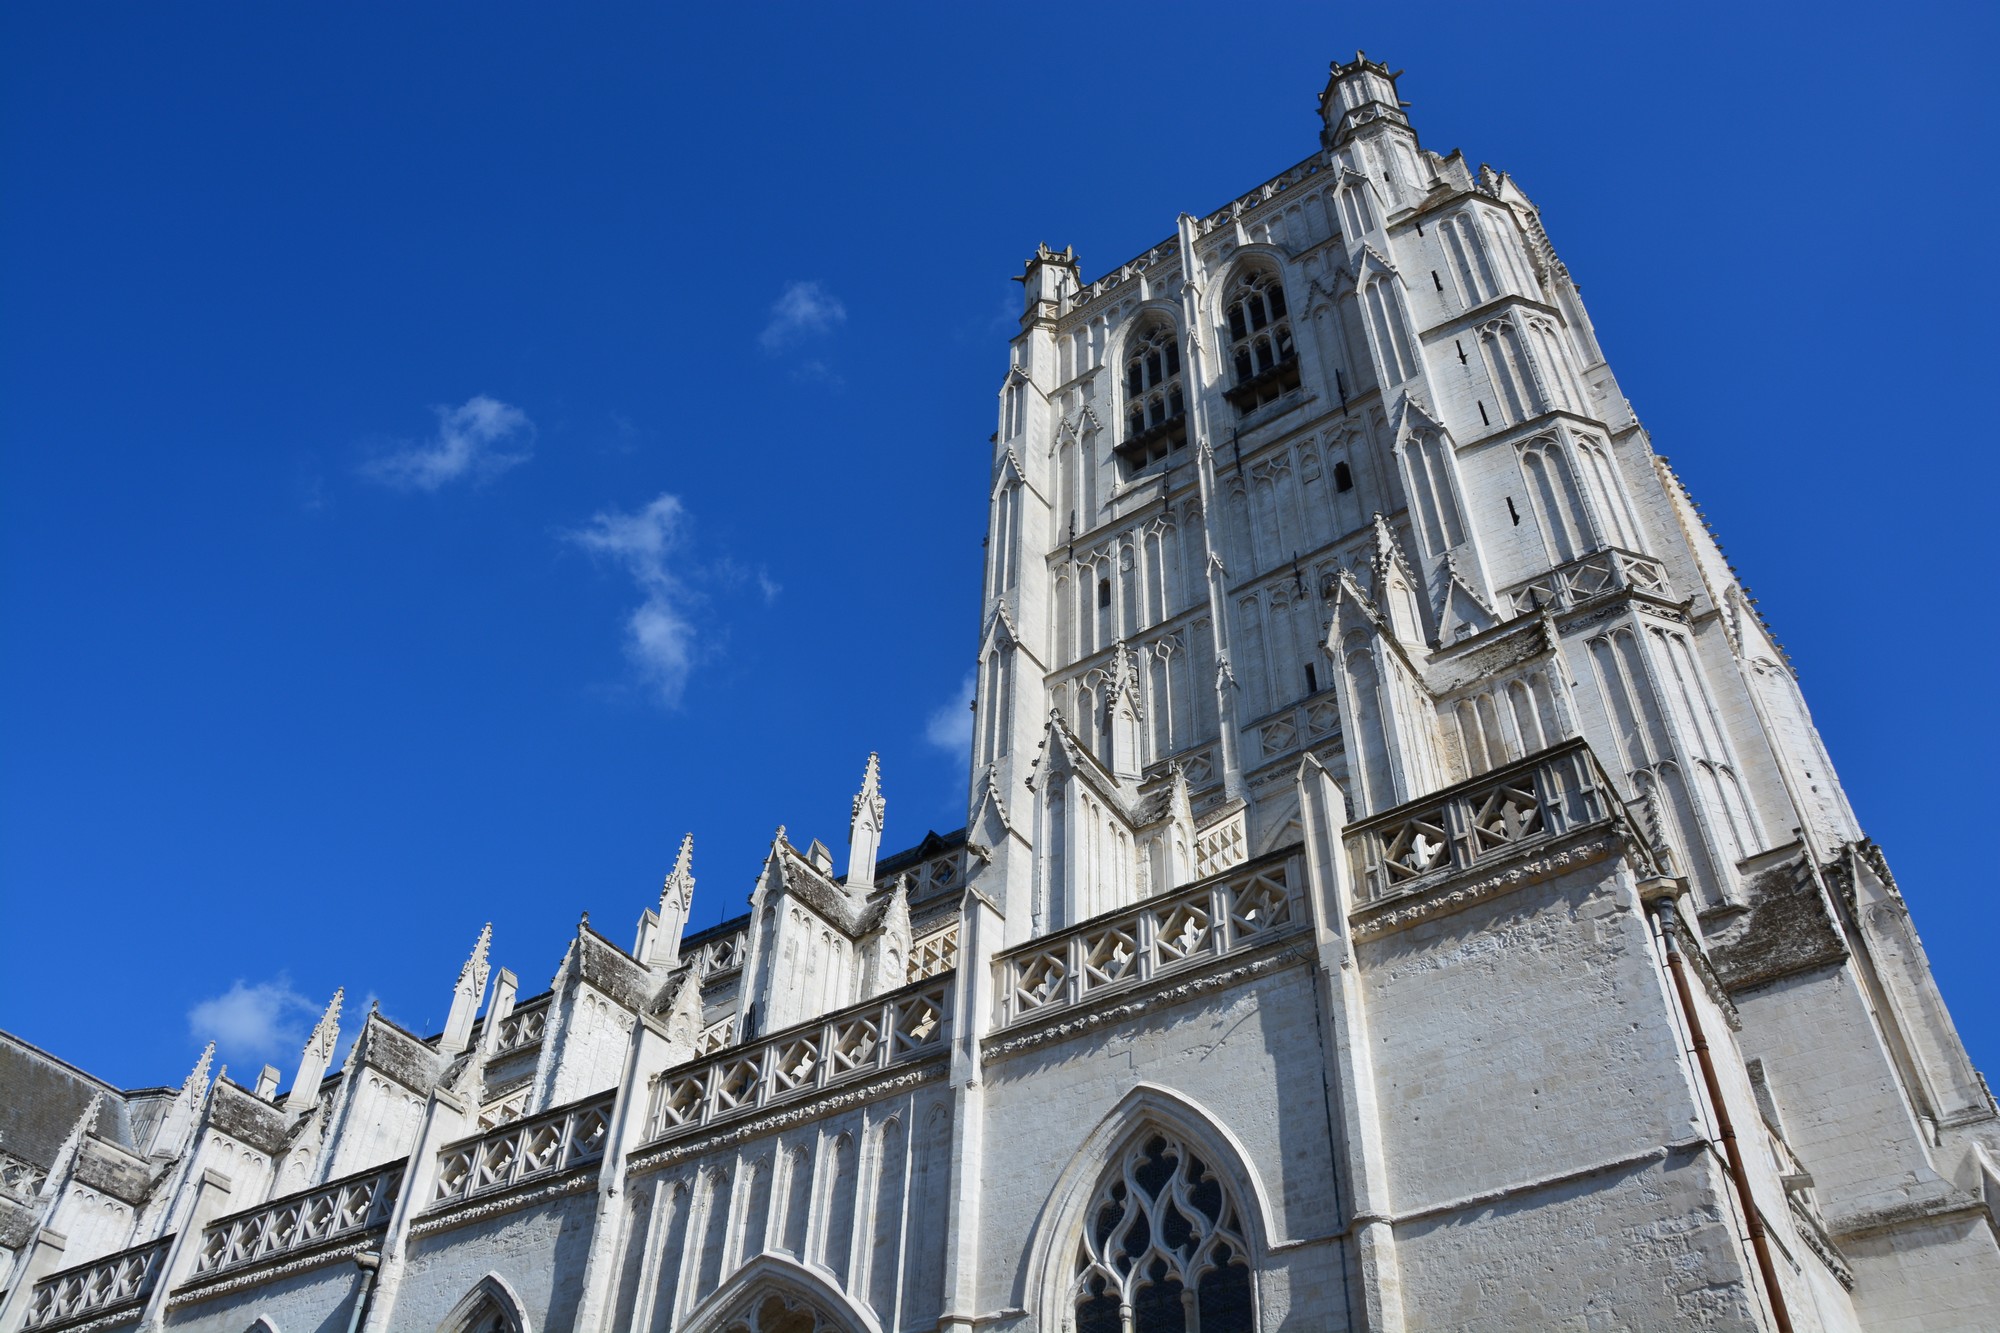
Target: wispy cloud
x=660, y=637
x=477, y=441
x=265, y=1021
x=804, y=310
x=950, y=727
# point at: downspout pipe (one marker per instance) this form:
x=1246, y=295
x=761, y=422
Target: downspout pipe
x=1661, y=899
x=370, y=1264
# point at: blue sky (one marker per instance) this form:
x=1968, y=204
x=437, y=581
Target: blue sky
x=449, y=451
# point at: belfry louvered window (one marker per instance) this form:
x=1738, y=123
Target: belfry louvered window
x=1162, y=1248
x=1260, y=340
x=1155, y=404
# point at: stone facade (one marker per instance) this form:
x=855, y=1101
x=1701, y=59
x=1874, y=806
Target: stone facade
x=1402, y=888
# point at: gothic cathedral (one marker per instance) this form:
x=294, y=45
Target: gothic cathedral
x=1402, y=888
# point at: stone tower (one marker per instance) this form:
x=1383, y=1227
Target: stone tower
x=1402, y=888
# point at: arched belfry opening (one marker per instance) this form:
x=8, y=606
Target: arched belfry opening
x=1163, y=1247
x=492, y=1306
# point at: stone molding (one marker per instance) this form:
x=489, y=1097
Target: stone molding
x=236, y=1279
x=1817, y=1241
x=1132, y=1003
x=666, y=1154
x=1395, y=914
x=482, y=1206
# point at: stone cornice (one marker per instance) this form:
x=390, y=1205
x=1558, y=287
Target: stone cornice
x=256, y=1275
x=1594, y=843
x=662, y=1154
x=463, y=1211
x=1230, y=970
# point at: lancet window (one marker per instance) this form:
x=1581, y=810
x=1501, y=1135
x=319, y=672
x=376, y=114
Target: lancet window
x=1468, y=258
x=1553, y=491
x=1162, y=1248
x=1260, y=340
x=1392, y=339
x=1155, y=403
x=1507, y=366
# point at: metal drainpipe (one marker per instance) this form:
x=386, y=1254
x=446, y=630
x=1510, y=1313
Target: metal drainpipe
x=1760, y=1243
x=369, y=1264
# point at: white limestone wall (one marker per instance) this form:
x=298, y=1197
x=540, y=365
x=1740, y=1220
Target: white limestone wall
x=856, y=1200
x=586, y=1054
x=379, y=1119
x=321, y=1297
x=1522, y=1039
x=1642, y=1247
x=93, y=1223
x=538, y=1250
x=1250, y=1058
x=1940, y=1277
x=1836, y=1090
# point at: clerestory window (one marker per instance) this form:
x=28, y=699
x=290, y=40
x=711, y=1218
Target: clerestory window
x=1162, y=1249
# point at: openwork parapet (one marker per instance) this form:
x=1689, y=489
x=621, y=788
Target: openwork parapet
x=101, y=1287
x=1575, y=583
x=1543, y=796
x=343, y=1208
x=1203, y=921
x=20, y=1179
x=543, y=1145
x=903, y=1026
x=523, y=1027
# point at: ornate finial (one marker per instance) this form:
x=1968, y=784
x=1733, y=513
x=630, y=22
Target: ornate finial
x=327, y=1030
x=197, y=1079
x=473, y=974
x=870, y=795
x=678, y=890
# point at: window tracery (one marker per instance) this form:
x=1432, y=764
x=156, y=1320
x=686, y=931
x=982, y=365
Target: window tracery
x=1155, y=402
x=1260, y=340
x=1162, y=1249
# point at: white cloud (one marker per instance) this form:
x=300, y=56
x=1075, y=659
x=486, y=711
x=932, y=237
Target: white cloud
x=950, y=727
x=659, y=637
x=805, y=308
x=264, y=1021
x=479, y=439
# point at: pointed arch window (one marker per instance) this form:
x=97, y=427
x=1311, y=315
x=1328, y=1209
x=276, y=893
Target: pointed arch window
x=1260, y=340
x=1155, y=401
x=1163, y=1249
x=490, y=1307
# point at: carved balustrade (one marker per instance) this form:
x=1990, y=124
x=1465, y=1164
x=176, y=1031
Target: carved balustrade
x=513, y=1154
x=934, y=954
x=1228, y=213
x=1206, y=920
x=1575, y=583
x=723, y=954
x=1221, y=845
x=524, y=1027
x=1543, y=796
x=901, y=1027
x=101, y=1287
x=328, y=1212
x=20, y=1179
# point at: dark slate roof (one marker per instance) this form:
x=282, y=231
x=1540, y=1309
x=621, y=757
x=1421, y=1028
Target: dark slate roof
x=44, y=1097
